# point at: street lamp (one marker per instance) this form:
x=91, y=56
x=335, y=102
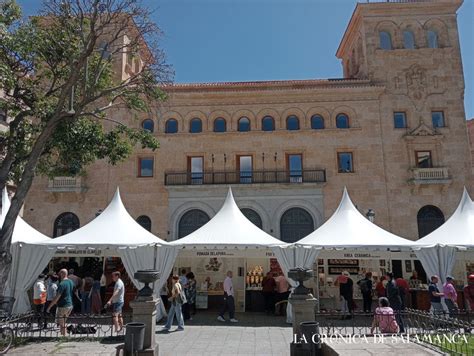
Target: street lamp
x=370, y=215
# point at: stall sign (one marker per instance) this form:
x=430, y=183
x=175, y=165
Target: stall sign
x=263, y=253
x=77, y=252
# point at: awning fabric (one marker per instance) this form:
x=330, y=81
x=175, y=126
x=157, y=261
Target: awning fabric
x=229, y=228
x=347, y=228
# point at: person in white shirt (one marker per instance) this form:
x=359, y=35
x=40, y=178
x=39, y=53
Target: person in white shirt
x=229, y=303
x=39, y=299
x=117, y=301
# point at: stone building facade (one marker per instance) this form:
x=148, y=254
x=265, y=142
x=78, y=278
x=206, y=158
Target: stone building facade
x=393, y=131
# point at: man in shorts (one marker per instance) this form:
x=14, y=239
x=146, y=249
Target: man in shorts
x=63, y=300
x=117, y=301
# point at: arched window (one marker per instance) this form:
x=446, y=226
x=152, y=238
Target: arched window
x=171, y=126
x=342, y=121
x=65, y=223
x=253, y=216
x=292, y=123
x=317, y=122
x=429, y=218
x=268, y=124
x=191, y=221
x=432, y=37
x=144, y=222
x=295, y=224
x=195, y=125
x=220, y=125
x=385, y=40
x=244, y=124
x=148, y=125
x=408, y=40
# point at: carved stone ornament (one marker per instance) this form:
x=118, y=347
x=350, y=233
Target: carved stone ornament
x=422, y=130
x=416, y=83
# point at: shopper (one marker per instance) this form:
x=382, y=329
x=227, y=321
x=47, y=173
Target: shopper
x=268, y=292
x=177, y=299
x=191, y=295
x=384, y=318
x=117, y=301
x=85, y=294
x=76, y=299
x=63, y=300
x=282, y=286
x=404, y=290
x=51, y=291
x=365, y=286
x=182, y=279
x=95, y=296
x=393, y=295
x=229, y=303
x=346, y=291
x=39, y=300
x=469, y=293
x=380, y=287
x=450, y=296
x=435, y=296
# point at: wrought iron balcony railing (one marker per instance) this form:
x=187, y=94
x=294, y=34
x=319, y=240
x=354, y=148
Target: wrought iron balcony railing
x=253, y=177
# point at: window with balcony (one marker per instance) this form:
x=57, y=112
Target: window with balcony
x=342, y=121
x=195, y=126
x=145, y=166
x=148, y=125
x=65, y=223
x=292, y=123
x=385, y=40
x=171, y=126
x=423, y=159
x=399, y=120
x=268, y=124
x=345, y=162
x=220, y=125
x=317, y=122
x=196, y=169
x=295, y=167
x=245, y=168
x=244, y=124
x=437, y=118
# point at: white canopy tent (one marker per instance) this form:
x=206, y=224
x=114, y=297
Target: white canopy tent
x=228, y=229
x=346, y=229
x=33, y=258
x=437, y=250
x=114, y=231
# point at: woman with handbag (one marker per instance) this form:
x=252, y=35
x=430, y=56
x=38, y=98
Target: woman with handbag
x=177, y=299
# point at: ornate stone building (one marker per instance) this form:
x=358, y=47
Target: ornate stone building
x=392, y=131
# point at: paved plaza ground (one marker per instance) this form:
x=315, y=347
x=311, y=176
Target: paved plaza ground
x=255, y=334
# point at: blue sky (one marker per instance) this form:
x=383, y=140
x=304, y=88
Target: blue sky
x=239, y=40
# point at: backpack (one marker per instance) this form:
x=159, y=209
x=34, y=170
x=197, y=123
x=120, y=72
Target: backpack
x=364, y=286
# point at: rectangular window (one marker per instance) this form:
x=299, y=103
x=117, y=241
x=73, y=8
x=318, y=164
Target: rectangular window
x=344, y=162
x=196, y=169
x=423, y=159
x=145, y=167
x=399, y=120
x=295, y=168
x=437, y=118
x=245, y=169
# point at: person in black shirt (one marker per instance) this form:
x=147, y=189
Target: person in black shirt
x=365, y=286
x=435, y=296
x=346, y=290
x=393, y=295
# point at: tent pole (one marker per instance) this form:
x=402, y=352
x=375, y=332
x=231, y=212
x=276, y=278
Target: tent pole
x=155, y=252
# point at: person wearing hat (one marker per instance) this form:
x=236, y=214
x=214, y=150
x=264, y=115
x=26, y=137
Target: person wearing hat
x=435, y=296
x=469, y=293
x=450, y=296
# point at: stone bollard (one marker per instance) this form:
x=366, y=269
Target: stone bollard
x=144, y=311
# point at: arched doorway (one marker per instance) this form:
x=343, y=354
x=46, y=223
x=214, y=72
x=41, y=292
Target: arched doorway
x=65, y=223
x=295, y=224
x=191, y=221
x=253, y=216
x=429, y=218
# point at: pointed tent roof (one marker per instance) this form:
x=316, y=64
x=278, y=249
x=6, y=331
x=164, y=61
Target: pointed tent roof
x=457, y=231
x=23, y=232
x=114, y=227
x=348, y=228
x=229, y=228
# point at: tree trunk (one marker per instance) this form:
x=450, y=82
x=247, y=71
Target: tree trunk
x=5, y=169
x=19, y=198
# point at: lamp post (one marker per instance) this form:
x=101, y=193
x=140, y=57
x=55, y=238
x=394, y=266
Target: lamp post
x=370, y=215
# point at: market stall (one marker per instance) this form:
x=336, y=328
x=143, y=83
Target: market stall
x=228, y=242
x=33, y=259
x=450, y=248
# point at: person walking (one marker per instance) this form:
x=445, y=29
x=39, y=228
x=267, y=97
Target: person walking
x=450, y=296
x=346, y=291
x=176, y=299
x=229, y=303
x=76, y=298
x=63, y=300
x=384, y=318
x=469, y=293
x=39, y=300
x=268, y=292
x=393, y=295
x=116, y=301
x=435, y=296
x=365, y=286
x=51, y=291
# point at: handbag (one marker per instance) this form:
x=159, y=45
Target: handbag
x=181, y=297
